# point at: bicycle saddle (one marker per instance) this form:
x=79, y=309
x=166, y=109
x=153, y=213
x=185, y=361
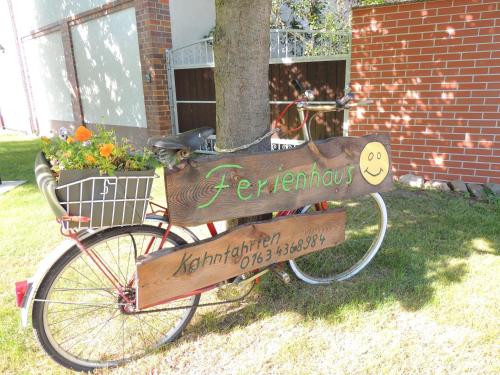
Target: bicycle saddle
x=190, y=140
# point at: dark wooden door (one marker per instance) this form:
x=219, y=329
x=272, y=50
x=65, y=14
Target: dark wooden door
x=325, y=78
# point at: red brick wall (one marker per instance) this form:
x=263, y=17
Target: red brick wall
x=154, y=33
x=433, y=71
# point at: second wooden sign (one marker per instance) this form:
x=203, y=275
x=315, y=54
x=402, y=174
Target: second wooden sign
x=168, y=273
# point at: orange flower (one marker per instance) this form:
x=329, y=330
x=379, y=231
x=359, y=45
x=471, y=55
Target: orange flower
x=106, y=149
x=90, y=159
x=82, y=134
x=70, y=139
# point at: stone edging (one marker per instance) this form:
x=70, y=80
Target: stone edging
x=479, y=191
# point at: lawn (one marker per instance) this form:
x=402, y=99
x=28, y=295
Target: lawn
x=428, y=303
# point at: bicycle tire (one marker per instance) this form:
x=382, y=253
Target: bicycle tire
x=91, y=349
x=360, y=246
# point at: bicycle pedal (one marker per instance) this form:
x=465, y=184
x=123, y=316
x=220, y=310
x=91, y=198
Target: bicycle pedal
x=285, y=277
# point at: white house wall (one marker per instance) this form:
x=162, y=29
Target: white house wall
x=109, y=72
x=191, y=20
x=13, y=101
x=33, y=14
x=49, y=80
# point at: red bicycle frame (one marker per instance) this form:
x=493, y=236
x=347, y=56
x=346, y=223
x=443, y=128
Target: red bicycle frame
x=158, y=210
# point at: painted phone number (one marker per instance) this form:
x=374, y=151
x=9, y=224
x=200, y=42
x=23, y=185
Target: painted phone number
x=288, y=250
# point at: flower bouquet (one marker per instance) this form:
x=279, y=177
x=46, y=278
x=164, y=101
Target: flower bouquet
x=92, y=180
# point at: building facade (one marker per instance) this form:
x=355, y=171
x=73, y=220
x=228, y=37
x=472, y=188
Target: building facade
x=99, y=61
x=431, y=67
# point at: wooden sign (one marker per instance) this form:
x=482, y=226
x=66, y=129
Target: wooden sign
x=229, y=186
x=165, y=273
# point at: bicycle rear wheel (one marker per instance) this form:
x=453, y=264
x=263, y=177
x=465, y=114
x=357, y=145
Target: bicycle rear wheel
x=365, y=230
x=80, y=319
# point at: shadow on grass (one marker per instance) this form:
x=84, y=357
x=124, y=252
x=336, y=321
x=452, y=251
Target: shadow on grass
x=429, y=238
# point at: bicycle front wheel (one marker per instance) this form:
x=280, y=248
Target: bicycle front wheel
x=365, y=230
x=80, y=319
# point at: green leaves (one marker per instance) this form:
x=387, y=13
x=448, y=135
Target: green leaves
x=102, y=151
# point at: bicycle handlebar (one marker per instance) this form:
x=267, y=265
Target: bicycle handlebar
x=340, y=104
x=311, y=107
x=319, y=107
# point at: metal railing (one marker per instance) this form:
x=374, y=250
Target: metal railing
x=286, y=45
x=293, y=44
x=197, y=54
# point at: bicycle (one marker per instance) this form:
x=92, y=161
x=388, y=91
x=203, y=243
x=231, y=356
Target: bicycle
x=84, y=313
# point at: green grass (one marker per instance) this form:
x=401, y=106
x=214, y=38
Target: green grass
x=428, y=303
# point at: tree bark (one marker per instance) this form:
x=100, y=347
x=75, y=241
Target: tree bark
x=241, y=50
x=241, y=54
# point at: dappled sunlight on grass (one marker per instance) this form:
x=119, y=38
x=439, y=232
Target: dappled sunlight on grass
x=27, y=233
x=482, y=245
x=448, y=272
x=473, y=302
x=367, y=231
x=350, y=204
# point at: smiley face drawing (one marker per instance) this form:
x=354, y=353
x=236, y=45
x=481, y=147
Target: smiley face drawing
x=374, y=163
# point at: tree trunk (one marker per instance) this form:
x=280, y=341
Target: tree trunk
x=241, y=49
x=241, y=54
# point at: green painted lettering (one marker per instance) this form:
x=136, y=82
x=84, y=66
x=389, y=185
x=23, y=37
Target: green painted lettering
x=243, y=184
x=221, y=185
x=304, y=180
x=341, y=177
x=288, y=178
x=277, y=180
x=329, y=178
x=349, y=174
x=314, y=174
